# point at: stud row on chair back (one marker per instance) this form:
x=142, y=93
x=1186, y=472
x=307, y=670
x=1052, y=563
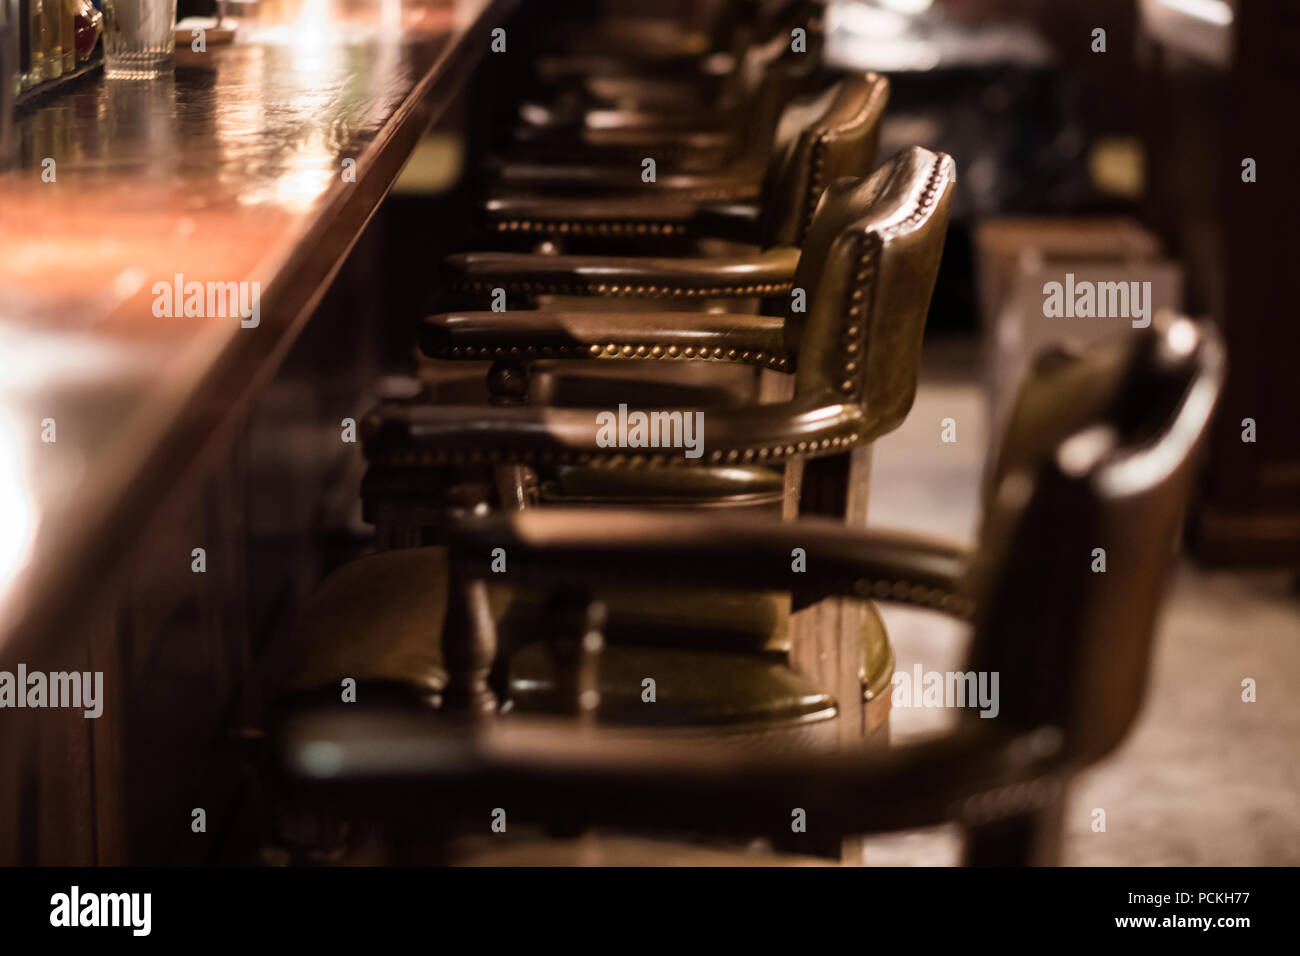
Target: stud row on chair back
x=868, y=266
x=819, y=138
x=770, y=74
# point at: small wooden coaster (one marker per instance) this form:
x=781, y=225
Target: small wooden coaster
x=213, y=35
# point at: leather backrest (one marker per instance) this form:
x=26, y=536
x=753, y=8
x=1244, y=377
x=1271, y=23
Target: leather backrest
x=736, y=24
x=820, y=138
x=1097, y=466
x=727, y=21
x=868, y=266
x=769, y=75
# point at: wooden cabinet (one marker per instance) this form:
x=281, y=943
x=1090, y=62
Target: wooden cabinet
x=1215, y=95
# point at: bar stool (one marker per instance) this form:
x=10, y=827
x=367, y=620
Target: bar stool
x=818, y=138
x=637, y=63
x=868, y=266
x=1100, y=453
x=642, y=40
x=693, y=135
x=870, y=258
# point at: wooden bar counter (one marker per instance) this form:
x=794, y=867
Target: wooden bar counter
x=253, y=167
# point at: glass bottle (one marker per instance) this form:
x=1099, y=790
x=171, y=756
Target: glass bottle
x=66, y=36
x=35, y=43
x=24, y=44
x=10, y=71
x=13, y=56
x=53, y=42
x=87, y=22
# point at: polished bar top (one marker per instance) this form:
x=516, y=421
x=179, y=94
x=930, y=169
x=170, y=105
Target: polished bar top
x=252, y=169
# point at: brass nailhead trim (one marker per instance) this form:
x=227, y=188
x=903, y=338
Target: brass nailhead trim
x=621, y=459
x=613, y=349
x=592, y=228
x=929, y=195
x=920, y=595
x=1000, y=802
x=619, y=291
x=816, y=185
x=665, y=151
x=854, y=339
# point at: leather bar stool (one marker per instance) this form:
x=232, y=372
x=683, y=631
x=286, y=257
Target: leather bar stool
x=868, y=266
x=635, y=62
x=820, y=137
x=592, y=37
x=619, y=40
x=871, y=258
x=638, y=62
x=1100, y=453
x=695, y=136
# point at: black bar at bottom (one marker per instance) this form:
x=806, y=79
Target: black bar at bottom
x=558, y=908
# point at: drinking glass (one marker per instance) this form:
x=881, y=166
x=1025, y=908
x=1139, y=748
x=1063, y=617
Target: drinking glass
x=139, y=37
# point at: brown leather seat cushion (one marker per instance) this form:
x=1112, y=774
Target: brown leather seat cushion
x=717, y=658
x=692, y=688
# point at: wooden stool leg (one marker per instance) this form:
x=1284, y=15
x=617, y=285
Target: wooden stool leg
x=469, y=646
x=826, y=638
x=1028, y=838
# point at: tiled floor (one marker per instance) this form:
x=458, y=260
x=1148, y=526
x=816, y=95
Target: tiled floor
x=1205, y=779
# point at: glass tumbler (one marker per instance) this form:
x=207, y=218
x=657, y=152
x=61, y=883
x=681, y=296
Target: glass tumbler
x=139, y=38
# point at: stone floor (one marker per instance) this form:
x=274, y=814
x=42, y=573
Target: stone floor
x=1205, y=779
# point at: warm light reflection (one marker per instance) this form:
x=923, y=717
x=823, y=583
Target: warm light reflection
x=882, y=38
x=911, y=7
x=316, y=41
x=318, y=48
x=866, y=21
x=1218, y=12
x=212, y=173
x=316, y=27
x=18, y=512
x=390, y=17
x=42, y=366
x=294, y=189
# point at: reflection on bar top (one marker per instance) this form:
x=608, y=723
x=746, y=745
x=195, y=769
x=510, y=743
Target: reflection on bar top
x=228, y=172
